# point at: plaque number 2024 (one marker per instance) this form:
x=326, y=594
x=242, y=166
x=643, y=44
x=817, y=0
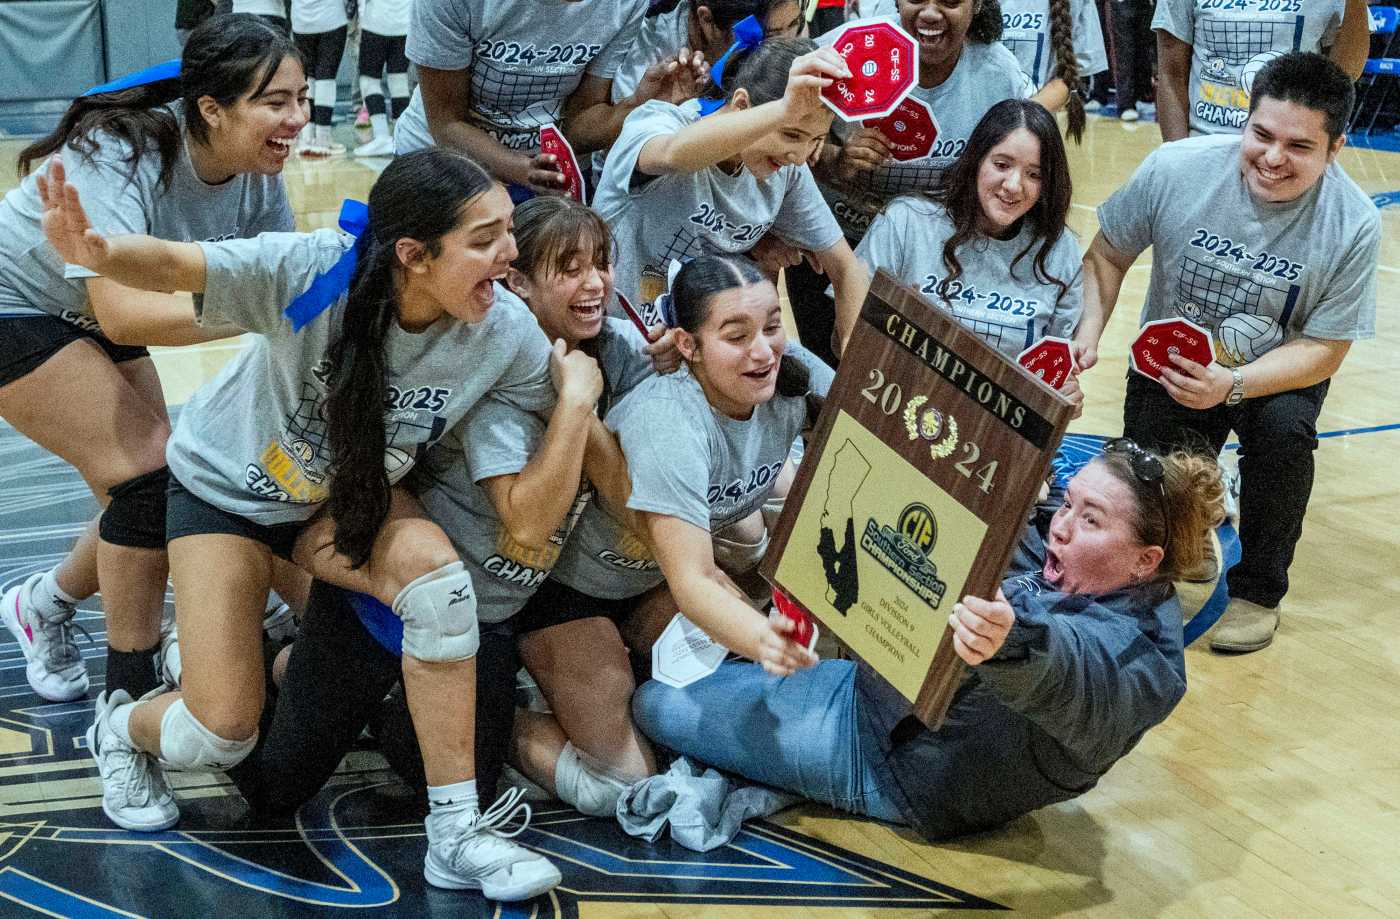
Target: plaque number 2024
x=889, y=398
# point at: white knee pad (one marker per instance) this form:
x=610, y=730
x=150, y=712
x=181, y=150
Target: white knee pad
x=585, y=786
x=736, y=556
x=439, y=615
x=187, y=744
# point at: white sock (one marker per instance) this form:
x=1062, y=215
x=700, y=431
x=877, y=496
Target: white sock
x=120, y=721
x=380, y=125
x=452, y=798
x=51, y=601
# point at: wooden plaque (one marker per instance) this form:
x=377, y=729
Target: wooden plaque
x=922, y=471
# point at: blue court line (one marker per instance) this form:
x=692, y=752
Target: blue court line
x=1386, y=142
x=1342, y=432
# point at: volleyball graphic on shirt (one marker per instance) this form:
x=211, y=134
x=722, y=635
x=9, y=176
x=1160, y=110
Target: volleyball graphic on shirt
x=1244, y=337
x=1252, y=68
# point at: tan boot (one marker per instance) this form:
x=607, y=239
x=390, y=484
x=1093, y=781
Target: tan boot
x=1245, y=626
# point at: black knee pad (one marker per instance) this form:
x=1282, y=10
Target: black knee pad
x=135, y=517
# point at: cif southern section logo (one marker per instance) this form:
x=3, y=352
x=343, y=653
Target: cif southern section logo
x=904, y=551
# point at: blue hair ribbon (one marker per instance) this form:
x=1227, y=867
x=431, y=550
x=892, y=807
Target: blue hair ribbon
x=331, y=284
x=748, y=33
x=165, y=70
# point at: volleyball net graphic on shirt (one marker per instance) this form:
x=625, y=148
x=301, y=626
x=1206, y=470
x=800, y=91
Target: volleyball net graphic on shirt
x=1027, y=46
x=1235, y=41
x=1209, y=294
x=305, y=434
x=1000, y=335
x=504, y=95
x=902, y=179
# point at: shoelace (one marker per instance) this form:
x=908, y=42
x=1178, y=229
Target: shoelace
x=130, y=771
x=499, y=815
x=61, y=650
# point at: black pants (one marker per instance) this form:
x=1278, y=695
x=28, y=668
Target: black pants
x=335, y=683
x=1278, y=435
x=378, y=54
x=1134, y=50
x=321, y=52
x=812, y=310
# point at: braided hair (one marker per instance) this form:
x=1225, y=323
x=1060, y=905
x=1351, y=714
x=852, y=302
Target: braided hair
x=1067, y=66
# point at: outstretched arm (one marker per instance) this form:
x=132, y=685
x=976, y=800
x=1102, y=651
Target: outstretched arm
x=720, y=137
x=709, y=598
x=140, y=262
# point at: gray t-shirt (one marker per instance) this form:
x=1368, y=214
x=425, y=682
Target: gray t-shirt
x=660, y=36
x=1232, y=39
x=34, y=280
x=522, y=63
x=1026, y=33
x=253, y=441
x=1256, y=274
x=984, y=75
x=1009, y=308
x=685, y=460
x=656, y=219
x=498, y=438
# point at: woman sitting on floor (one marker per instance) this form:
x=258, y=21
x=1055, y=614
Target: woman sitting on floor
x=1076, y=658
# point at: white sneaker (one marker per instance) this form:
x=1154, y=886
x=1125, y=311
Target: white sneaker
x=477, y=854
x=55, y=666
x=135, y=795
x=380, y=146
x=1129, y=115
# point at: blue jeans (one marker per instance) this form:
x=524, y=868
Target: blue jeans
x=798, y=733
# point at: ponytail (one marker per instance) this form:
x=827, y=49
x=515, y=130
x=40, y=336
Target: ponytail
x=1195, y=494
x=419, y=196
x=1067, y=66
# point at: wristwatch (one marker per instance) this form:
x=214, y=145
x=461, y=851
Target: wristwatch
x=1237, y=388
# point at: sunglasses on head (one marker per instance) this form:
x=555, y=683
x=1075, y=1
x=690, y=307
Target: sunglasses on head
x=1147, y=467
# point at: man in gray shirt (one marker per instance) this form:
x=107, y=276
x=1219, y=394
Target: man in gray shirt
x=1263, y=239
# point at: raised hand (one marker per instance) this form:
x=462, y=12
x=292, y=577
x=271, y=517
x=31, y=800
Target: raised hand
x=808, y=76
x=674, y=79
x=65, y=222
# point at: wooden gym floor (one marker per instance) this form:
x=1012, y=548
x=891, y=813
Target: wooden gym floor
x=1274, y=789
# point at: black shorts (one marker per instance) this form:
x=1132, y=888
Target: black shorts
x=187, y=514
x=556, y=604
x=28, y=341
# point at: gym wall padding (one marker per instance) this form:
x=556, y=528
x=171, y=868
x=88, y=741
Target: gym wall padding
x=52, y=50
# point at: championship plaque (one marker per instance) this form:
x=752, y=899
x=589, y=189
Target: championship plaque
x=922, y=470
